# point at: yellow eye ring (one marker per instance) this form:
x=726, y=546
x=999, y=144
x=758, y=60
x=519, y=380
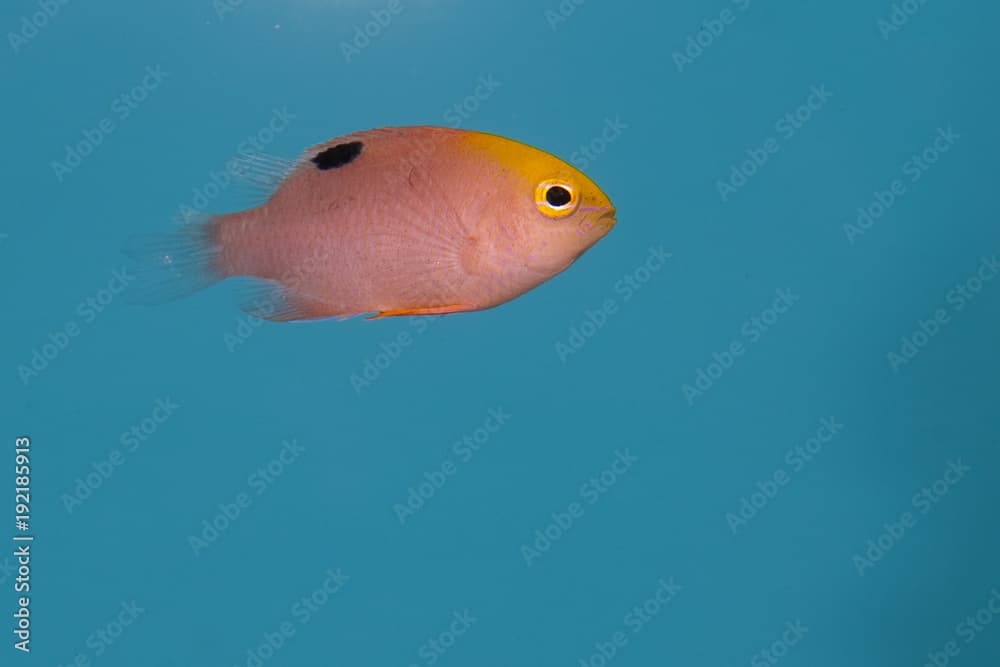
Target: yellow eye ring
x=556, y=199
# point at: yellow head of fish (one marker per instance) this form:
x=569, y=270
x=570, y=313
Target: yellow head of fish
x=545, y=213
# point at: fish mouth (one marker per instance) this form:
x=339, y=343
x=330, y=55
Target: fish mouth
x=607, y=219
x=600, y=218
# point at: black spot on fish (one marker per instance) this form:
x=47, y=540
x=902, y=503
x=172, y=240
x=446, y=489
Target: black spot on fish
x=338, y=156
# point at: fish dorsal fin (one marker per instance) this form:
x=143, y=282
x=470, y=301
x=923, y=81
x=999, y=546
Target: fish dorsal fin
x=260, y=174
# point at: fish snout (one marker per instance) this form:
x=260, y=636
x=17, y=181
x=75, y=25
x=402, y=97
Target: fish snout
x=608, y=218
x=599, y=220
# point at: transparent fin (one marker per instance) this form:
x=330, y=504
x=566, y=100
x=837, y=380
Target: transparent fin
x=173, y=265
x=270, y=300
x=258, y=175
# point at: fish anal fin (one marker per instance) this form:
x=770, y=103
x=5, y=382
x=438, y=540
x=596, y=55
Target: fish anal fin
x=432, y=310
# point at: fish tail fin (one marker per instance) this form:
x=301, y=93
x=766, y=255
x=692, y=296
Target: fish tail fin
x=176, y=264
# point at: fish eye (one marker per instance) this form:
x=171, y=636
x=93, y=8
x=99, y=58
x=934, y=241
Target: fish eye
x=556, y=199
x=558, y=196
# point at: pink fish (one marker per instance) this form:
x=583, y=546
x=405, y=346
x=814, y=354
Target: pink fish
x=394, y=221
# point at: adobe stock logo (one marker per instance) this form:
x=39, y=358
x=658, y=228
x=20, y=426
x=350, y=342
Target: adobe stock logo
x=900, y=15
x=301, y=612
x=779, y=648
x=627, y=287
x=591, y=491
x=637, y=618
x=967, y=630
x=751, y=331
x=435, y=647
x=87, y=312
x=243, y=166
x=363, y=36
x=785, y=128
x=959, y=297
x=104, y=637
x=122, y=107
x=131, y=440
x=460, y=112
x=463, y=451
x=32, y=25
x=587, y=153
x=796, y=458
x=561, y=13
x=711, y=30
x=262, y=479
x=914, y=169
x=924, y=501
x=388, y=353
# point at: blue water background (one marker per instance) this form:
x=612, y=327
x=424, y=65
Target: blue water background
x=868, y=552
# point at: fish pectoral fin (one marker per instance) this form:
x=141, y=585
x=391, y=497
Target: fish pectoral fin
x=432, y=310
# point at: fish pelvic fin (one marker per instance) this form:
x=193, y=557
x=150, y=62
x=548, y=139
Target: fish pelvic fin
x=271, y=300
x=175, y=264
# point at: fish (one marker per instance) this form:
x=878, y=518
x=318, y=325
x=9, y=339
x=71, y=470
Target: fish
x=396, y=221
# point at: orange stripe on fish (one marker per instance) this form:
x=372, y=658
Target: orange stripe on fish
x=433, y=310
